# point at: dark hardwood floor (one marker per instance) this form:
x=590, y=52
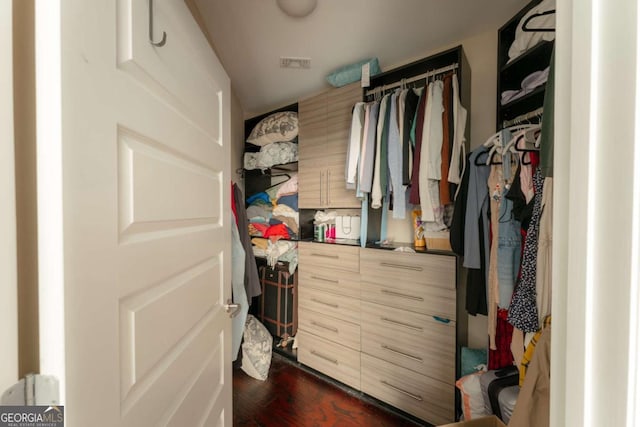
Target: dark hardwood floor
x=295, y=396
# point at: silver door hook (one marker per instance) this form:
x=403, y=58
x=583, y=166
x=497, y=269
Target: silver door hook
x=164, y=34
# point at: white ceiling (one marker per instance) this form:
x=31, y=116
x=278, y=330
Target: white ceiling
x=250, y=36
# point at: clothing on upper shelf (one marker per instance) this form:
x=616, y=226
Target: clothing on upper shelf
x=274, y=212
x=528, y=85
x=525, y=40
x=276, y=153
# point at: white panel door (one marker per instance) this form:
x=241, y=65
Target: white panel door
x=145, y=241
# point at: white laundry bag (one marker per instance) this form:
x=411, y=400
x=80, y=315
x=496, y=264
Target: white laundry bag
x=256, y=349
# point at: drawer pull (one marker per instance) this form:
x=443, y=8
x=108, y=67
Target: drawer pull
x=393, y=350
x=326, y=256
x=402, y=266
x=320, y=325
x=325, y=303
x=441, y=319
x=411, y=395
x=322, y=356
x=325, y=280
x=406, y=325
x=398, y=294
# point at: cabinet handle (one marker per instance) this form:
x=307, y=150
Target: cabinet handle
x=328, y=328
x=441, y=319
x=398, y=294
x=411, y=395
x=325, y=280
x=322, y=356
x=328, y=199
x=406, y=325
x=326, y=256
x=328, y=304
x=404, y=267
x=321, y=192
x=401, y=353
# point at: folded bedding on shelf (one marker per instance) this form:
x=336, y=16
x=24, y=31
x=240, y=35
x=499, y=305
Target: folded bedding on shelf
x=291, y=223
x=290, y=200
x=259, y=211
x=277, y=153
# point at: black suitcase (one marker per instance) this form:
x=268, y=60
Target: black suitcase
x=278, y=304
x=492, y=383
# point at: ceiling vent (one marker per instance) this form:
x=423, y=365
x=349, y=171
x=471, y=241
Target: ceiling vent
x=291, y=62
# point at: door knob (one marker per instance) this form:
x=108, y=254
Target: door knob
x=231, y=308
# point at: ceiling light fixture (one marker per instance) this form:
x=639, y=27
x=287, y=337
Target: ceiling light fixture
x=297, y=8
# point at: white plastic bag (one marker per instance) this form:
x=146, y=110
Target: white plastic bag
x=256, y=349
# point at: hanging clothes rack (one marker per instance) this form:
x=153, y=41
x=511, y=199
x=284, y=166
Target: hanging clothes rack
x=521, y=118
x=431, y=73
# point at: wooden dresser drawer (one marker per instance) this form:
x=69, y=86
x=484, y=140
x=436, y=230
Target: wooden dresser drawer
x=330, y=304
x=424, y=397
x=335, y=360
x=419, y=298
x=331, y=257
x=411, y=340
x=339, y=331
x=383, y=266
x=343, y=282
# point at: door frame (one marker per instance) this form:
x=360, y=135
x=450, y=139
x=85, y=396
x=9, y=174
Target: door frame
x=596, y=218
x=8, y=249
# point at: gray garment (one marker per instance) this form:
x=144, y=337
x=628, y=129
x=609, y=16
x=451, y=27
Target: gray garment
x=238, y=257
x=477, y=205
x=365, y=167
x=251, y=278
x=395, y=162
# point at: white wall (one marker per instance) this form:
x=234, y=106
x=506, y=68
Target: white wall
x=8, y=271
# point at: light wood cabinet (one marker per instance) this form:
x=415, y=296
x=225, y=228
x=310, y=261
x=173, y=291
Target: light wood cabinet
x=324, y=123
x=329, y=310
x=408, y=331
x=383, y=322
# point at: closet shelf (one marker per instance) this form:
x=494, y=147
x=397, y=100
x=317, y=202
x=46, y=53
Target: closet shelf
x=286, y=240
x=533, y=94
x=537, y=56
x=521, y=106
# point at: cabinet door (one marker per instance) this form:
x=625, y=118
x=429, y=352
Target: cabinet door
x=312, y=145
x=312, y=122
x=337, y=195
x=311, y=184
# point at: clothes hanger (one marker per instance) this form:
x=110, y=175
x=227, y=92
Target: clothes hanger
x=527, y=29
x=281, y=182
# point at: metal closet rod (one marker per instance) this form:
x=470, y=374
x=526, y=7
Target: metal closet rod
x=523, y=117
x=426, y=75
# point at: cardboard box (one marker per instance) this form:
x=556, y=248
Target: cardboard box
x=490, y=421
